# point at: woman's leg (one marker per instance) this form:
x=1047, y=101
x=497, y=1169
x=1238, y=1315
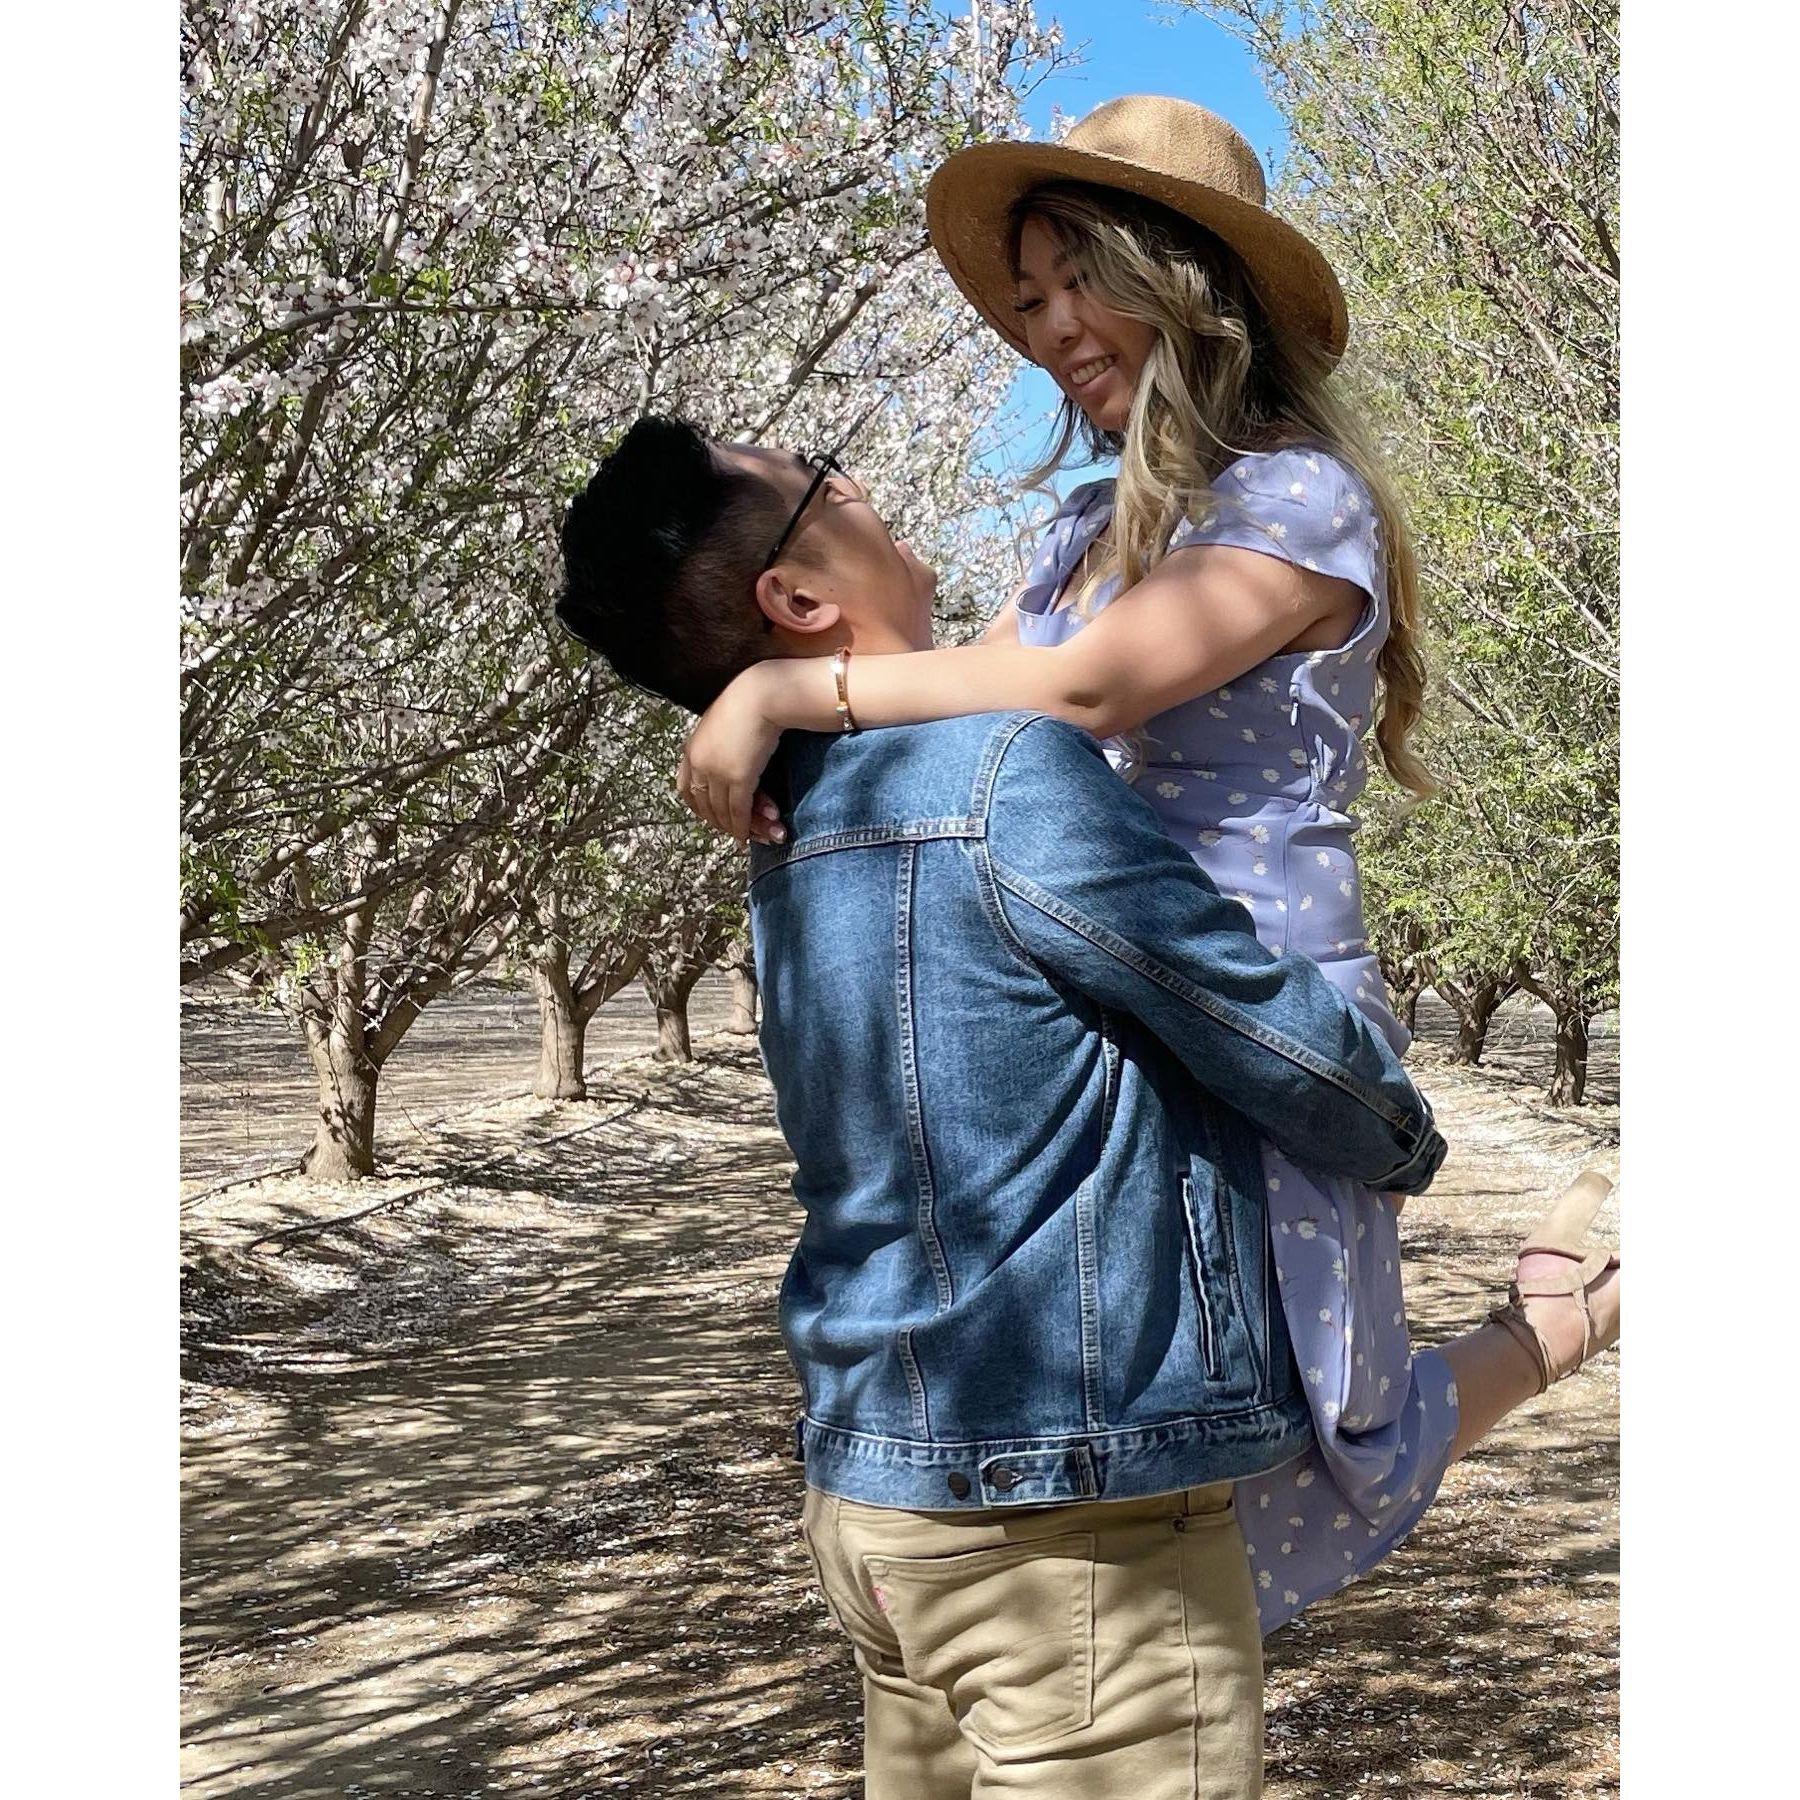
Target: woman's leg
x=1494, y=1373
x=1494, y=1370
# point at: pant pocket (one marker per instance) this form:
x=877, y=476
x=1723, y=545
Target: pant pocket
x=1006, y=1634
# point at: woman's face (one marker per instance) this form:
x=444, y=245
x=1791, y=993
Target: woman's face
x=1094, y=353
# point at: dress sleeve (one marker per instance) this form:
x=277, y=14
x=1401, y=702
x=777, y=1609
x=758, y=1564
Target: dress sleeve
x=1301, y=505
x=1052, y=557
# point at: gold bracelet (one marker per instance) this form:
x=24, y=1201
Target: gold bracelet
x=840, y=669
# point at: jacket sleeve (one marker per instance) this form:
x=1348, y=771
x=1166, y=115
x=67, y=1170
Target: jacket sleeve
x=1088, y=886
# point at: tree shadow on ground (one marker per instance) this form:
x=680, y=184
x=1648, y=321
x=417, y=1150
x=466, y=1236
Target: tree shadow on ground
x=492, y=1493
x=515, y=1476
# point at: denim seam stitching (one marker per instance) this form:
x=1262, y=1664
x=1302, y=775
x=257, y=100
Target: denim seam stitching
x=1120, y=1436
x=915, y=1381
x=1023, y=888
x=925, y=1207
x=1088, y=1281
x=1112, y=1058
x=1087, y=1242
x=981, y=803
x=987, y=771
x=987, y=889
x=770, y=857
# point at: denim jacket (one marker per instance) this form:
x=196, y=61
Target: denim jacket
x=1023, y=1052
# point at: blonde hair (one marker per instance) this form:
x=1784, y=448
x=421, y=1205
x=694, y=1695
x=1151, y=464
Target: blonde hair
x=1222, y=380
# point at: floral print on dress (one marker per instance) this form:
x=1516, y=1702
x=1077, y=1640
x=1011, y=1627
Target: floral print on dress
x=1279, y=756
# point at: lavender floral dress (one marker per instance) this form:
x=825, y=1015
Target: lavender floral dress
x=1255, y=780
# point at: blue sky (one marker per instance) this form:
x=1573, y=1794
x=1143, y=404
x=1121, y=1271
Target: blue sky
x=1137, y=47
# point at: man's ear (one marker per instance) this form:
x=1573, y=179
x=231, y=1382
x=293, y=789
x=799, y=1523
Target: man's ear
x=789, y=607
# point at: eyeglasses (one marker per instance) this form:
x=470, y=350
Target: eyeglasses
x=823, y=467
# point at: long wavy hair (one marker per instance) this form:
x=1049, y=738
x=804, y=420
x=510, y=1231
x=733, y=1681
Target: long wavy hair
x=1222, y=380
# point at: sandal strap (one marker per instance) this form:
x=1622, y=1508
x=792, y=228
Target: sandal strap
x=1512, y=1316
x=1565, y=1281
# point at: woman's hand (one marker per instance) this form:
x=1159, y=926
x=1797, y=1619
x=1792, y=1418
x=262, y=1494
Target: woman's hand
x=724, y=758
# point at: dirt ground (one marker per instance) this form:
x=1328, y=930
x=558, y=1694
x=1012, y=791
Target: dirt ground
x=486, y=1487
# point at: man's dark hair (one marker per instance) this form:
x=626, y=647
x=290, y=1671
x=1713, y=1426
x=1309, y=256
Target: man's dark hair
x=661, y=551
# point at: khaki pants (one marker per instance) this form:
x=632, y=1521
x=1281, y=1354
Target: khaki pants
x=1096, y=1650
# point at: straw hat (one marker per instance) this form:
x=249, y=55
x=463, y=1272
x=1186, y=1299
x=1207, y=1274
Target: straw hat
x=1170, y=151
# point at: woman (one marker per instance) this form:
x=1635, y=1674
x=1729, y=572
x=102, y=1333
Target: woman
x=1238, y=610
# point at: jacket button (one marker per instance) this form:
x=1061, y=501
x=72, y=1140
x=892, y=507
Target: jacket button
x=959, y=1484
x=1005, y=1479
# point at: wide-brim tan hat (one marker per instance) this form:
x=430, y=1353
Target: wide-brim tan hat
x=1171, y=151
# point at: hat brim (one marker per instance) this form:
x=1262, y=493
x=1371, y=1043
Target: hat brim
x=970, y=197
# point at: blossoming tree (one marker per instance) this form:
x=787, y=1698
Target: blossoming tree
x=437, y=254
x=1459, y=161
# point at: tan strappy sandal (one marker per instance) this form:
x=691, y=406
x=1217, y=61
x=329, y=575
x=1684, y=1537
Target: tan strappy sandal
x=1562, y=1231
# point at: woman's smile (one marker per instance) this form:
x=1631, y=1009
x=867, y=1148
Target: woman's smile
x=1085, y=372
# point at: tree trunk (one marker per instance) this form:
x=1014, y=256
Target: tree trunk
x=562, y=1044
x=1474, y=1005
x=1568, y=1081
x=337, y=1040
x=741, y=974
x=1406, y=1008
x=669, y=995
x=343, y=1146
x=1472, y=1021
x=1405, y=972
x=1404, y=986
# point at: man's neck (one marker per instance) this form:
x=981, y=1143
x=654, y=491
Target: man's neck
x=864, y=640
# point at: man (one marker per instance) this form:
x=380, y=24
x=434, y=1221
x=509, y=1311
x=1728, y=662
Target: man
x=1022, y=1051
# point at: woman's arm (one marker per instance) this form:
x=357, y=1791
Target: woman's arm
x=1200, y=619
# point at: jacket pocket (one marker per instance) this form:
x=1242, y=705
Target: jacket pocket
x=1005, y=1634
x=1211, y=1359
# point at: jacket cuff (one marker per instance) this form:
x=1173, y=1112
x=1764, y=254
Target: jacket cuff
x=1415, y=1175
